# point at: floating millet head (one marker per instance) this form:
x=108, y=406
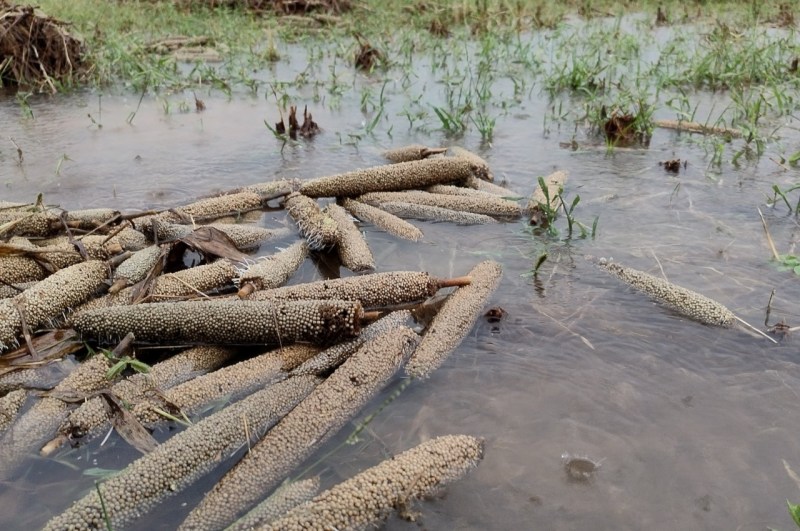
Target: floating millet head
x=454, y=320
x=411, y=152
x=318, y=228
x=476, y=203
x=352, y=247
x=224, y=322
x=273, y=271
x=377, y=290
x=383, y=220
x=390, y=177
x=181, y=460
x=368, y=497
x=684, y=301
x=433, y=213
x=483, y=171
x=309, y=425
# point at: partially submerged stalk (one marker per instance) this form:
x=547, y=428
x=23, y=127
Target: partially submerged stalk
x=684, y=301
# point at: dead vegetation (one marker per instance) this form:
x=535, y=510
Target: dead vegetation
x=308, y=129
x=37, y=51
x=286, y=7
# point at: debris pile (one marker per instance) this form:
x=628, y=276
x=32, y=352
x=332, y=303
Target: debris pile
x=157, y=282
x=36, y=51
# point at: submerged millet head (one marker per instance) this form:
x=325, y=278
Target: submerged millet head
x=181, y=460
x=370, y=496
x=279, y=503
x=483, y=171
x=317, y=418
x=187, y=364
x=454, y=320
x=475, y=202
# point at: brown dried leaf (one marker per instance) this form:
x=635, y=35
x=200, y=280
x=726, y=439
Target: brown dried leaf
x=127, y=425
x=214, y=242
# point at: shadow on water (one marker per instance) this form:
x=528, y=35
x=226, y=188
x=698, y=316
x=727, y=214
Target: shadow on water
x=691, y=422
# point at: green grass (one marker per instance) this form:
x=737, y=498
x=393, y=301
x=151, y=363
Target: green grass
x=461, y=66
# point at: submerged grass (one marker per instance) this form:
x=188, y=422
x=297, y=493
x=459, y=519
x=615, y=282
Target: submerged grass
x=486, y=58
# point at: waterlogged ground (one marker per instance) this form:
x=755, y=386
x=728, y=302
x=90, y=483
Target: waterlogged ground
x=695, y=427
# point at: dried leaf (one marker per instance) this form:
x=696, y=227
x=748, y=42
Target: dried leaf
x=127, y=425
x=214, y=242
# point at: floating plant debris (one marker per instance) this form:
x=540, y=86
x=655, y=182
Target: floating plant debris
x=579, y=468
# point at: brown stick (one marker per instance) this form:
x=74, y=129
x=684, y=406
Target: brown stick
x=465, y=280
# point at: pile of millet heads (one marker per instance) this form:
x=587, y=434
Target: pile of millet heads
x=98, y=276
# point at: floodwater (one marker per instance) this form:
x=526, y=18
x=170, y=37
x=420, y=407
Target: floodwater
x=695, y=427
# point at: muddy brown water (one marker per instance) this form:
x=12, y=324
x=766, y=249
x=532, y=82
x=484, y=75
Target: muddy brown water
x=692, y=424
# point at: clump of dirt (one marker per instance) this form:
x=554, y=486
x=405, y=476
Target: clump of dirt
x=309, y=129
x=785, y=18
x=36, y=50
x=623, y=128
x=287, y=7
x=367, y=56
x=438, y=28
x=673, y=165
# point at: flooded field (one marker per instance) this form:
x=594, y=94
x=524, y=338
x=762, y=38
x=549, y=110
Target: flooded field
x=694, y=427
